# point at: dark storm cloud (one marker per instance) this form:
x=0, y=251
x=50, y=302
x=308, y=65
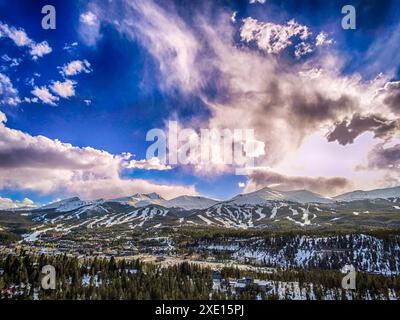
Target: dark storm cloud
x=384, y=158
x=392, y=96
x=268, y=178
x=318, y=108
x=347, y=131
x=32, y=157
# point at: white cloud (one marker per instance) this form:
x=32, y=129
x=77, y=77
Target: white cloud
x=376, y=59
x=285, y=106
x=13, y=62
x=75, y=67
x=18, y=36
x=3, y=118
x=271, y=37
x=45, y=95
x=40, y=49
x=151, y=164
x=259, y=1
x=31, y=100
x=6, y=203
x=88, y=18
x=8, y=94
x=21, y=39
x=89, y=28
x=322, y=39
x=233, y=17
x=302, y=49
x=64, y=89
x=68, y=170
x=176, y=53
x=69, y=47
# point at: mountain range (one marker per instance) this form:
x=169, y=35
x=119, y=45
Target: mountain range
x=263, y=209
x=259, y=197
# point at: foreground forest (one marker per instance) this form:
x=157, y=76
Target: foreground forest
x=122, y=279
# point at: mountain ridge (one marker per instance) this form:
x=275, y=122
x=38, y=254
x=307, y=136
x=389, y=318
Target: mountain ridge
x=383, y=193
x=259, y=197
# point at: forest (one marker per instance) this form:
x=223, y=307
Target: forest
x=121, y=279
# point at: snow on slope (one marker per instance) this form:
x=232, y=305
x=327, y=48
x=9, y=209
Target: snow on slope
x=304, y=196
x=190, y=203
x=137, y=200
x=140, y=200
x=262, y=196
x=373, y=194
x=184, y=202
x=257, y=198
x=69, y=204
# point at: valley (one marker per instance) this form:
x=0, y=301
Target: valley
x=263, y=233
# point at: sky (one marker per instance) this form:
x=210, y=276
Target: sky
x=77, y=102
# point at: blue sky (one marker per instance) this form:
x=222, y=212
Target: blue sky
x=125, y=82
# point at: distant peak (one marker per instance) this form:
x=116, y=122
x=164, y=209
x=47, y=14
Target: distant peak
x=153, y=195
x=73, y=199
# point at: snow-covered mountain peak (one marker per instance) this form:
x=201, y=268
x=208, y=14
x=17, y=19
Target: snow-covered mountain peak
x=190, y=202
x=265, y=195
x=67, y=205
x=372, y=194
x=258, y=197
x=140, y=200
x=154, y=196
x=305, y=196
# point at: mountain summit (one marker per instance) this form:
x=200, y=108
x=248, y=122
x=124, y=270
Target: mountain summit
x=372, y=194
x=267, y=194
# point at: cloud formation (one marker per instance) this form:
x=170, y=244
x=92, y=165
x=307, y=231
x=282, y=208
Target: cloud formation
x=391, y=96
x=385, y=157
x=6, y=203
x=251, y=84
x=8, y=94
x=151, y=164
x=64, y=89
x=21, y=39
x=44, y=95
x=271, y=37
x=265, y=177
x=46, y=166
x=89, y=28
x=348, y=130
x=75, y=67
x=322, y=39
